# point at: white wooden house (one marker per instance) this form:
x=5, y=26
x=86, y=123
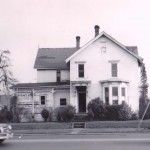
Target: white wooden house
x=102, y=68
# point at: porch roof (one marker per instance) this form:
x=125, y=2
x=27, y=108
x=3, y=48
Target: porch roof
x=113, y=80
x=81, y=83
x=44, y=84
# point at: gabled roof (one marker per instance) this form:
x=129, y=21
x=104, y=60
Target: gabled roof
x=127, y=49
x=53, y=58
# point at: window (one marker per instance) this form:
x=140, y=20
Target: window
x=42, y=100
x=103, y=46
x=123, y=92
x=58, y=75
x=63, y=102
x=115, y=102
x=103, y=49
x=107, y=95
x=81, y=70
x=115, y=91
x=114, y=69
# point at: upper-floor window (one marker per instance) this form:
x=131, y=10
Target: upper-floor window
x=42, y=100
x=114, y=70
x=81, y=70
x=58, y=75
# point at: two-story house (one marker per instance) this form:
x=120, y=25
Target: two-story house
x=102, y=68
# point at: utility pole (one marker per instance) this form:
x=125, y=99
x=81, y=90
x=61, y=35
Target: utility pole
x=33, y=109
x=143, y=115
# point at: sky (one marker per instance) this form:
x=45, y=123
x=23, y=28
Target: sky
x=26, y=25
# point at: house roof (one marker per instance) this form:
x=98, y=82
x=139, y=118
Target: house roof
x=53, y=58
x=46, y=84
x=133, y=49
x=57, y=58
x=129, y=49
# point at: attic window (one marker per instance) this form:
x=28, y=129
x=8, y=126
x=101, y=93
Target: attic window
x=103, y=49
x=103, y=46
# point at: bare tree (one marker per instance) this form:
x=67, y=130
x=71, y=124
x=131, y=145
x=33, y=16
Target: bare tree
x=6, y=77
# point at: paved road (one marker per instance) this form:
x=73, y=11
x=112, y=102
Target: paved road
x=79, y=142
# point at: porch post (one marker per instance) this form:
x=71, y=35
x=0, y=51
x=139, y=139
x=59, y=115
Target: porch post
x=110, y=93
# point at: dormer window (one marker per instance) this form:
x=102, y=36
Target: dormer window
x=81, y=70
x=58, y=75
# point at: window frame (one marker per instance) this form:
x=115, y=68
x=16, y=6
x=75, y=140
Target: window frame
x=114, y=69
x=64, y=103
x=123, y=91
x=115, y=102
x=58, y=75
x=115, y=93
x=41, y=100
x=106, y=89
x=81, y=71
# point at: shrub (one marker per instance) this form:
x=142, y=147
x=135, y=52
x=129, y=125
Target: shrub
x=9, y=115
x=108, y=112
x=66, y=113
x=90, y=115
x=6, y=115
x=134, y=116
x=119, y=112
x=45, y=114
x=98, y=108
x=57, y=113
x=113, y=112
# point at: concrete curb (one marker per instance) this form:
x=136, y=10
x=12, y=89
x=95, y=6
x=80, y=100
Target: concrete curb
x=80, y=131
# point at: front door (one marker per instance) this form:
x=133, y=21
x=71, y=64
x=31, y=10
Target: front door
x=81, y=98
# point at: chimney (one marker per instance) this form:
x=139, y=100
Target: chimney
x=96, y=30
x=77, y=42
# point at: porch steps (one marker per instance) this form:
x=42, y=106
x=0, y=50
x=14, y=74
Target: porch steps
x=80, y=120
x=81, y=117
x=78, y=125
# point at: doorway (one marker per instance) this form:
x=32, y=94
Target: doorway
x=81, y=98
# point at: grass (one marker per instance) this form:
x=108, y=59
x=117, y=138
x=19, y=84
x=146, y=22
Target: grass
x=118, y=124
x=40, y=125
x=68, y=125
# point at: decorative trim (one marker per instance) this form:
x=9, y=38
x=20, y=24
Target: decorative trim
x=113, y=80
x=80, y=62
x=113, y=61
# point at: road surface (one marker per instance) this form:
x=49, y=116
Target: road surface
x=103, y=141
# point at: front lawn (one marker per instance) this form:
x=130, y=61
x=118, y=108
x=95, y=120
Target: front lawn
x=118, y=124
x=40, y=125
x=68, y=125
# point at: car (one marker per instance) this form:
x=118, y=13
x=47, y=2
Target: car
x=5, y=132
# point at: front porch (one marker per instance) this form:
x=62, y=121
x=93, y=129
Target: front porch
x=79, y=89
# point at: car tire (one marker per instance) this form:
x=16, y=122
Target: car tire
x=1, y=140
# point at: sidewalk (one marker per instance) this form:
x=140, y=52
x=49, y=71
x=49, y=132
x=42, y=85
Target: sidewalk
x=81, y=131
